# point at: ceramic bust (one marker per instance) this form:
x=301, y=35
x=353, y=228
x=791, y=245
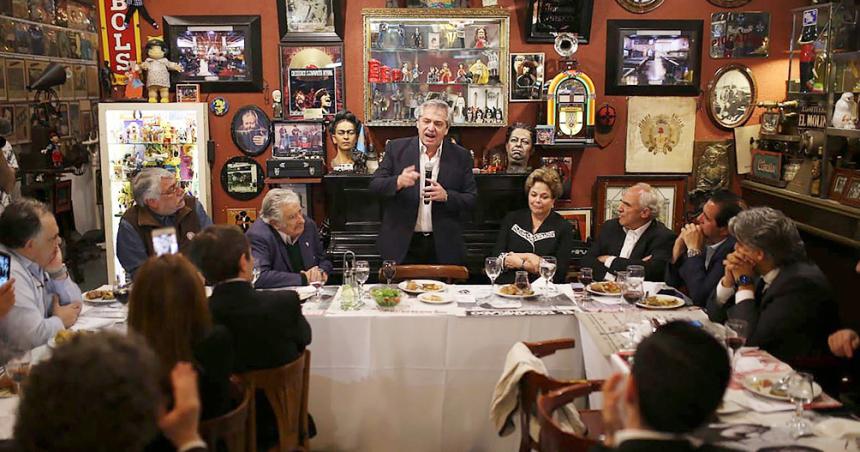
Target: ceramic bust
x=518, y=144
x=344, y=130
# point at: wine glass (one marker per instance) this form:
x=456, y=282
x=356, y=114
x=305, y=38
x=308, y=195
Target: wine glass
x=362, y=272
x=632, y=290
x=586, y=276
x=620, y=276
x=547, y=271
x=317, y=285
x=492, y=267
x=18, y=369
x=799, y=392
x=636, y=272
x=736, y=335
x=389, y=270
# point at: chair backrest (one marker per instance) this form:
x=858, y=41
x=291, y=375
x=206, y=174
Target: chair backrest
x=552, y=437
x=231, y=428
x=448, y=273
x=533, y=383
x=286, y=389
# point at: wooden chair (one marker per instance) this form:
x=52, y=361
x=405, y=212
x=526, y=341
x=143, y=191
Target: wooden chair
x=286, y=389
x=532, y=384
x=552, y=437
x=232, y=427
x=448, y=273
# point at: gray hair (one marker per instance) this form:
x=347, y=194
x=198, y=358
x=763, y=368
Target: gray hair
x=436, y=103
x=770, y=231
x=147, y=184
x=275, y=199
x=648, y=198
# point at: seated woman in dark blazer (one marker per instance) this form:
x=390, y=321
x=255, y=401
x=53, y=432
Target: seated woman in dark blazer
x=168, y=307
x=528, y=234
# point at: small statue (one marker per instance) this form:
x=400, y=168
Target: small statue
x=445, y=75
x=480, y=72
x=397, y=100
x=459, y=109
x=416, y=72
x=462, y=76
x=407, y=74
x=481, y=38
x=157, y=69
x=53, y=149
x=416, y=39
x=137, y=5
x=845, y=112
x=107, y=79
x=377, y=104
x=432, y=76
x=277, y=105
x=493, y=64
x=519, y=147
x=712, y=171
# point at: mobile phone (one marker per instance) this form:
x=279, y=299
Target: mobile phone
x=164, y=241
x=5, y=264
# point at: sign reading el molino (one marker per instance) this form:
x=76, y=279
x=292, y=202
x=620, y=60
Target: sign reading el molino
x=120, y=41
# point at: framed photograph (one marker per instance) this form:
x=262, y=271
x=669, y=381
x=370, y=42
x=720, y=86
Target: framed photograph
x=838, y=182
x=74, y=118
x=251, y=130
x=242, y=178
x=767, y=165
x=16, y=80
x=851, y=196
x=328, y=57
x=311, y=20
x=80, y=81
x=220, y=53
x=241, y=216
x=92, y=81
x=580, y=219
x=739, y=35
x=660, y=133
x=62, y=123
x=298, y=139
x=546, y=18
x=564, y=167
x=312, y=89
x=527, y=74
x=640, y=6
x=732, y=96
x=653, y=57
x=545, y=135
x=187, y=92
x=7, y=121
x=22, y=123
x=2, y=79
x=672, y=190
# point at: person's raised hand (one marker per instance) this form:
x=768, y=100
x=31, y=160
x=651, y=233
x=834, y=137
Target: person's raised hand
x=408, y=177
x=180, y=425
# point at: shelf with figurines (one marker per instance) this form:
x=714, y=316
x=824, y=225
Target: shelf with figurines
x=457, y=55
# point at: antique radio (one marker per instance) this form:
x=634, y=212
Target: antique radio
x=294, y=168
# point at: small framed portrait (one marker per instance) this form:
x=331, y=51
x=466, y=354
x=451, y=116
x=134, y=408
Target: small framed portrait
x=527, y=75
x=548, y=18
x=22, y=123
x=851, y=196
x=564, y=167
x=92, y=81
x=732, y=96
x=251, y=130
x=187, y=92
x=328, y=57
x=62, y=123
x=580, y=219
x=298, y=139
x=242, y=178
x=545, y=135
x=433, y=40
x=220, y=53
x=241, y=216
x=838, y=183
x=313, y=92
x=80, y=81
x=311, y=20
x=482, y=36
x=16, y=80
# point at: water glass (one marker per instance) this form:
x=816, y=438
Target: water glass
x=636, y=272
x=18, y=368
x=389, y=270
x=632, y=290
x=521, y=280
x=736, y=335
x=586, y=276
x=317, y=285
x=620, y=276
x=361, y=272
x=547, y=271
x=800, y=392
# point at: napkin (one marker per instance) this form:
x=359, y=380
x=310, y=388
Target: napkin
x=833, y=427
x=757, y=404
x=91, y=323
x=503, y=303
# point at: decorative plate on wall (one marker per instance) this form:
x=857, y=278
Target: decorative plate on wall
x=640, y=6
x=729, y=3
x=242, y=178
x=251, y=130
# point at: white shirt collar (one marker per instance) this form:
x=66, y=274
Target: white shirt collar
x=717, y=245
x=284, y=237
x=640, y=230
x=422, y=148
x=770, y=276
x=634, y=434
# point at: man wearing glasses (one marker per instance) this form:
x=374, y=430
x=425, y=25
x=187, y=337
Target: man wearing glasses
x=159, y=202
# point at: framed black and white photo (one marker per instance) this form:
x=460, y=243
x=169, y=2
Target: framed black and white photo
x=251, y=130
x=242, y=178
x=298, y=139
x=527, y=75
x=732, y=96
x=220, y=53
x=311, y=20
x=546, y=18
x=653, y=57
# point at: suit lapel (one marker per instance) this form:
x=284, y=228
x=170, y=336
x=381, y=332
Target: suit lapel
x=721, y=252
x=445, y=161
x=304, y=245
x=412, y=156
x=639, y=248
x=283, y=255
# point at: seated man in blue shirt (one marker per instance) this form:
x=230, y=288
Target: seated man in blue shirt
x=159, y=202
x=286, y=244
x=46, y=298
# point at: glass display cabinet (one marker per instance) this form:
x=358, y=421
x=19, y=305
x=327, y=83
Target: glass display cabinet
x=456, y=55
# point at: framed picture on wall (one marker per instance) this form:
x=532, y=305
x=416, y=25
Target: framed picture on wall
x=527, y=74
x=732, y=96
x=299, y=139
x=7, y=120
x=546, y=18
x=16, y=80
x=313, y=93
x=671, y=189
x=851, y=196
x=580, y=219
x=838, y=183
x=328, y=57
x=311, y=20
x=22, y=123
x=660, y=132
x=220, y=53
x=739, y=35
x=653, y=57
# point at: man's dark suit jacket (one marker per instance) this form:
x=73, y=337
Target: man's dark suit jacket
x=268, y=327
x=691, y=273
x=401, y=207
x=792, y=318
x=656, y=241
x=270, y=254
x=655, y=445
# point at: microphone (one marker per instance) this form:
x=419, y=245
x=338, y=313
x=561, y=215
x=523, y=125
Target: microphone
x=428, y=177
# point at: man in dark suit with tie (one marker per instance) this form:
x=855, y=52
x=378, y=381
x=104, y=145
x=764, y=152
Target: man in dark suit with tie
x=427, y=186
x=286, y=244
x=697, y=258
x=636, y=237
x=768, y=281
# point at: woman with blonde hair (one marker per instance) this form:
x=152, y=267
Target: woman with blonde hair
x=528, y=234
x=168, y=307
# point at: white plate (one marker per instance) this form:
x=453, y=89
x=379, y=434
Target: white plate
x=517, y=297
x=427, y=297
x=421, y=282
x=678, y=302
x=754, y=384
x=602, y=294
x=97, y=300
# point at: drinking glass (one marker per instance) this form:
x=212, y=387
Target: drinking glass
x=736, y=335
x=388, y=270
x=586, y=276
x=493, y=267
x=18, y=369
x=521, y=280
x=620, y=276
x=800, y=392
x=362, y=272
x=317, y=285
x=632, y=290
x=636, y=272
x=255, y=275
x=547, y=271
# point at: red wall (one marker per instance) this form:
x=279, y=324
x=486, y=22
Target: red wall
x=588, y=164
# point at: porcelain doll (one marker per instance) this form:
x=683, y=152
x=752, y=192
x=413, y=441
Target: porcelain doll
x=845, y=112
x=158, y=69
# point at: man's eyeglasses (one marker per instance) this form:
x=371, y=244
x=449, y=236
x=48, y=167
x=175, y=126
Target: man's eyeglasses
x=175, y=188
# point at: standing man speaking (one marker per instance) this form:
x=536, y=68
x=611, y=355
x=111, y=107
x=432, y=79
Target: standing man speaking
x=426, y=183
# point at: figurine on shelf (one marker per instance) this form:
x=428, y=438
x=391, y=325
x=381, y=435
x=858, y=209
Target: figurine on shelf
x=459, y=109
x=480, y=72
x=133, y=83
x=432, y=75
x=479, y=116
x=138, y=6
x=53, y=149
x=344, y=134
x=518, y=147
x=157, y=69
x=397, y=101
x=845, y=112
x=462, y=76
x=107, y=79
x=445, y=75
x=407, y=74
x=493, y=65
x=277, y=104
x=416, y=72
x=416, y=39
x=481, y=38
